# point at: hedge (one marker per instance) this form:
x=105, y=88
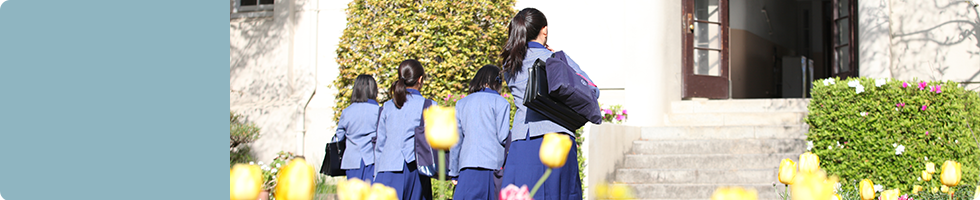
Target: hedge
x=886, y=130
x=451, y=38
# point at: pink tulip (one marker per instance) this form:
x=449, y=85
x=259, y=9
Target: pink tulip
x=512, y=192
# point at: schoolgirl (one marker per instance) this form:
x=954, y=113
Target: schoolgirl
x=483, y=118
x=527, y=42
x=359, y=124
x=396, y=135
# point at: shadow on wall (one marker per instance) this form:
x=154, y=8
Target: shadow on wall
x=933, y=40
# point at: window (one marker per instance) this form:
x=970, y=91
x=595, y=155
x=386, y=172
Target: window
x=844, y=64
x=252, y=5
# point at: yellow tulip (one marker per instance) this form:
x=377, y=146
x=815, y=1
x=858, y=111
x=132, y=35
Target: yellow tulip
x=440, y=127
x=951, y=173
x=352, y=189
x=382, y=192
x=295, y=181
x=976, y=194
x=734, y=193
x=890, y=194
x=554, y=149
x=926, y=176
x=931, y=167
x=867, y=189
x=935, y=189
x=916, y=189
x=809, y=162
x=813, y=186
x=944, y=189
x=787, y=170
x=246, y=182
x=838, y=197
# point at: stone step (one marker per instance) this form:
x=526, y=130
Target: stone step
x=796, y=131
x=740, y=106
x=695, y=191
x=697, y=176
x=706, y=161
x=736, y=119
x=732, y=146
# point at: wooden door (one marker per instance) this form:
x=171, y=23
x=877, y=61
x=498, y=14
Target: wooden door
x=844, y=39
x=705, y=35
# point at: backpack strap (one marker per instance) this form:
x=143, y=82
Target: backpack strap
x=422, y=117
x=374, y=140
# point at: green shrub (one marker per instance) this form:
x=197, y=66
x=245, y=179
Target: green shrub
x=451, y=38
x=242, y=134
x=862, y=135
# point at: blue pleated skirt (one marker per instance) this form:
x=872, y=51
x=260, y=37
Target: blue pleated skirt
x=408, y=183
x=475, y=183
x=524, y=167
x=365, y=173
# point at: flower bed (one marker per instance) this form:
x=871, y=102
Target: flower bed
x=886, y=131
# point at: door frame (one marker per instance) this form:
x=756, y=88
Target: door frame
x=703, y=86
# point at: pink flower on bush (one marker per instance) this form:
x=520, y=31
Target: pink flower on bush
x=905, y=197
x=448, y=96
x=905, y=84
x=937, y=89
x=506, y=95
x=924, y=107
x=922, y=85
x=512, y=192
x=900, y=105
x=607, y=111
x=927, y=132
x=619, y=117
x=624, y=111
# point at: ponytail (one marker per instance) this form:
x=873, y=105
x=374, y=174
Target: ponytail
x=525, y=26
x=409, y=72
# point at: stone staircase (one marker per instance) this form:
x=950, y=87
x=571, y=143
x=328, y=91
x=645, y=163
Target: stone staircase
x=713, y=143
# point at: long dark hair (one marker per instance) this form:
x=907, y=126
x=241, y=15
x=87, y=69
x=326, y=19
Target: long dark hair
x=487, y=76
x=365, y=88
x=409, y=72
x=525, y=26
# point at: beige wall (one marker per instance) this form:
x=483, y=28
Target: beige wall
x=932, y=40
x=277, y=62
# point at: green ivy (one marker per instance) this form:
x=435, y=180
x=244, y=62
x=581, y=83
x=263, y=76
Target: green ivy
x=858, y=135
x=451, y=38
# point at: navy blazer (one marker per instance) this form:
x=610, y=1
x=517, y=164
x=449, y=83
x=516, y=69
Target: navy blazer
x=483, y=119
x=359, y=124
x=396, y=133
x=529, y=122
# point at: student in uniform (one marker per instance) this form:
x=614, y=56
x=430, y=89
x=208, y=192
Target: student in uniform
x=359, y=124
x=483, y=118
x=527, y=41
x=395, y=163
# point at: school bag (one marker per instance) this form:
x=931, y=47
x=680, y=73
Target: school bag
x=571, y=88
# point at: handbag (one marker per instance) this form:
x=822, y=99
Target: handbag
x=537, y=97
x=425, y=155
x=333, y=158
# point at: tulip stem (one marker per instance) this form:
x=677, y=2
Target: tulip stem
x=787, y=191
x=442, y=168
x=547, y=173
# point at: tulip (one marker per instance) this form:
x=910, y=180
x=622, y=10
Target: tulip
x=734, y=193
x=613, y=191
x=809, y=162
x=867, y=190
x=553, y=153
x=512, y=192
x=926, y=176
x=838, y=197
x=930, y=167
x=944, y=189
x=295, y=181
x=787, y=170
x=352, y=189
x=951, y=173
x=440, y=127
x=890, y=194
x=916, y=189
x=554, y=149
x=382, y=192
x=246, y=182
x=813, y=186
x=935, y=189
x=976, y=194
